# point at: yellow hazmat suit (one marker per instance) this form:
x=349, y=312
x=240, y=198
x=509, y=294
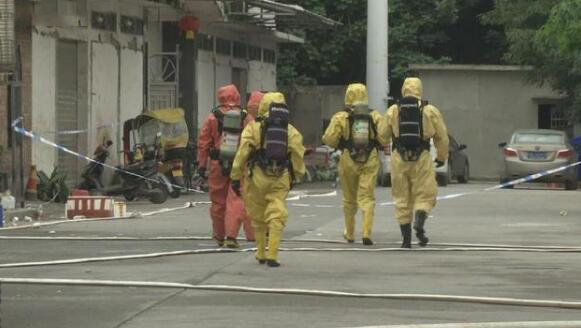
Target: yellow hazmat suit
x=264, y=195
x=414, y=182
x=358, y=179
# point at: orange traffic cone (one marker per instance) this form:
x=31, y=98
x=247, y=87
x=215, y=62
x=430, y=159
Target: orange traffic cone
x=32, y=184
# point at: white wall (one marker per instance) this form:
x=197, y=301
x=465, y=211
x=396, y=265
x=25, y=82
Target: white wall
x=208, y=83
x=131, y=83
x=104, y=96
x=223, y=72
x=205, y=84
x=153, y=38
x=261, y=76
x=43, y=99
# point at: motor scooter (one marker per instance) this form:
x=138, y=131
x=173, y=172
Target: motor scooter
x=138, y=179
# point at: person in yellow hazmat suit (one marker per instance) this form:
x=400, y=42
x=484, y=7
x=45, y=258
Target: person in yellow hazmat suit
x=411, y=123
x=272, y=150
x=354, y=131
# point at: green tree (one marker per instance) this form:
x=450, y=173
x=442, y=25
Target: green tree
x=417, y=35
x=560, y=41
x=545, y=34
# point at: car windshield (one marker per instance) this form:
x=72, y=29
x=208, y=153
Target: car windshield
x=538, y=138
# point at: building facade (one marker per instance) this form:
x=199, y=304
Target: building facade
x=90, y=65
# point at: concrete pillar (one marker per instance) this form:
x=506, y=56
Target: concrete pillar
x=377, y=69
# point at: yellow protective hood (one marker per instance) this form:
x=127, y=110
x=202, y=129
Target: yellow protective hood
x=269, y=98
x=356, y=94
x=412, y=87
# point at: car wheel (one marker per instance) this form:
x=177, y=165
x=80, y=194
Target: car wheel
x=464, y=178
x=388, y=180
x=442, y=180
x=175, y=193
x=571, y=185
x=158, y=195
x=503, y=181
x=385, y=180
x=129, y=196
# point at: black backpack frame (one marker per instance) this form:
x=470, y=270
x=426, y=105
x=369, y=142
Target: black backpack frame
x=410, y=143
x=259, y=157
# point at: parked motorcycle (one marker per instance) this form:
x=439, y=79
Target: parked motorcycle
x=94, y=170
x=138, y=179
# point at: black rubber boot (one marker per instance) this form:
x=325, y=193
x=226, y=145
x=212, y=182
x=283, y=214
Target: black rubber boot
x=406, y=233
x=261, y=261
x=367, y=241
x=272, y=263
x=231, y=242
x=419, y=222
x=350, y=241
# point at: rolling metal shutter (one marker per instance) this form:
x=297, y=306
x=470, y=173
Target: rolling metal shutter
x=67, y=116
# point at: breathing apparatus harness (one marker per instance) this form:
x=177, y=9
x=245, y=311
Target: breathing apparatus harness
x=229, y=128
x=273, y=156
x=362, y=134
x=410, y=143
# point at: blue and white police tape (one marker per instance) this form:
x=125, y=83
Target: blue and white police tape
x=533, y=176
x=69, y=132
x=528, y=178
x=36, y=137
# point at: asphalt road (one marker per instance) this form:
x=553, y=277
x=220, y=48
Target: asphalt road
x=504, y=217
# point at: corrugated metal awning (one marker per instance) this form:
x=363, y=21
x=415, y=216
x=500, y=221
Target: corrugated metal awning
x=276, y=15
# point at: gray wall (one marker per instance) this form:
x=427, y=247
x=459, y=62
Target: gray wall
x=311, y=105
x=482, y=106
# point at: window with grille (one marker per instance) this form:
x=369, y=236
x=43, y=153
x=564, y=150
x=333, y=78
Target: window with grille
x=254, y=53
x=269, y=56
x=559, y=119
x=104, y=21
x=205, y=42
x=239, y=50
x=223, y=46
x=131, y=25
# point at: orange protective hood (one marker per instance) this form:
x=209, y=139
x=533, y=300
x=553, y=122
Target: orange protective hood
x=228, y=95
x=253, y=102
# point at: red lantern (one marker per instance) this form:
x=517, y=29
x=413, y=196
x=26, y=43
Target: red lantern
x=189, y=25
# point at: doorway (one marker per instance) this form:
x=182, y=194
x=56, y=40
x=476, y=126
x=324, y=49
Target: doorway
x=240, y=80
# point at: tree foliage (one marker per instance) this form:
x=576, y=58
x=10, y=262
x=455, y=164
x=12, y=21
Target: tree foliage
x=328, y=56
x=561, y=35
x=420, y=32
x=417, y=35
x=545, y=34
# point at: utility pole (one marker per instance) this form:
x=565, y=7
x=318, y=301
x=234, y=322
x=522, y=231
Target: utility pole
x=377, y=68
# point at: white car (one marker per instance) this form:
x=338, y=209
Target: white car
x=384, y=174
x=443, y=173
